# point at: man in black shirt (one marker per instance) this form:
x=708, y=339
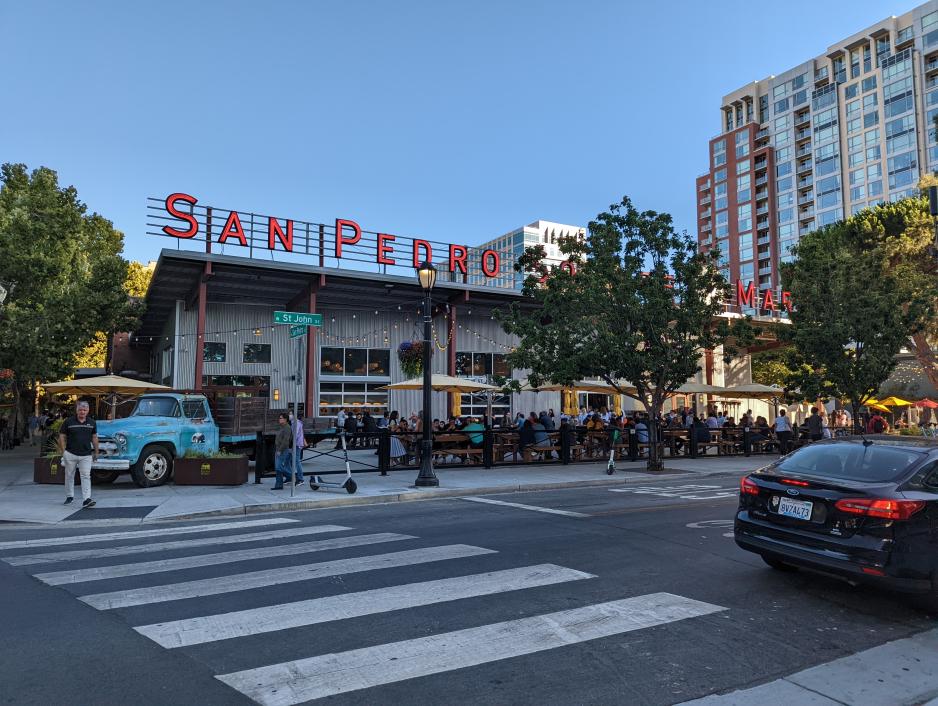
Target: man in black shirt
x=78, y=444
x=815, y=425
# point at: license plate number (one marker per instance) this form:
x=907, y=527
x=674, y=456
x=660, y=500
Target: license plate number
x=799, y=509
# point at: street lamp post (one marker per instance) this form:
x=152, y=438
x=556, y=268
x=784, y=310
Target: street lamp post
x=426, y=273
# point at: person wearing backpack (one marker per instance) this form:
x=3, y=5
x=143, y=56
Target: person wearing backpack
x=877, y=425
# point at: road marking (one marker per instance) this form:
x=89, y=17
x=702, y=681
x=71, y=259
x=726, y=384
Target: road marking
x=489, y=501
x=709, y=524
x=100, y=553
x=326, y=675
x=58, y=578
x=114, y=536
x=274, y=577
x=224, y=626
x=684, y=492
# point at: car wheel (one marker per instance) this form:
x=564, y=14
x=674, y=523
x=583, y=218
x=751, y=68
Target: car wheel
x=102, y=477
x=154, y=466
x=777, y=564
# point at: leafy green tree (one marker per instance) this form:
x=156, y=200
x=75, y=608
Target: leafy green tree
x=638, y=312
x=860, y=293
x=65, y=274
x=775, y=367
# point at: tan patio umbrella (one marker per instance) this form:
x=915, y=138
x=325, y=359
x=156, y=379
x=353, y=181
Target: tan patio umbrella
x=102, y=385
x=753, y=391
x=696, y=388
x=442, y=383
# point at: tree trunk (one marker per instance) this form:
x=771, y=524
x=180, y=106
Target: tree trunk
x=855, y=408
x=655, y=462
x=926, y=357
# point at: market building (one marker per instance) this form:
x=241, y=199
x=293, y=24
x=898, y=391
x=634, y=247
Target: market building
x=209, y=323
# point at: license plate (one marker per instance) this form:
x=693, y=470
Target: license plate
x=800, y=509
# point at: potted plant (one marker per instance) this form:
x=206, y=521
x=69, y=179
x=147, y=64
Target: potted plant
x=48, y=468
x=214, y=468
x=410, y=355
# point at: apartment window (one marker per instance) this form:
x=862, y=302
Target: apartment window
x=827, y=166
x=371, y=362
x=828, y=185
x=255, y=353
x=869, y=102
x=798, y=81
x=855, y=158
x=882, y=47
x=742, y=166
x=853, y=107
x=785, y=200
x=867, y=61
x=783, y=184
x=744, y=217
x=353, y=396
x=742, y=137
x=929, y=20
x=729, y=119
x=782, y=154
x=873, y=153
x=783, y=169
x=719, y=147
x=851, y=91
x=782, y=138
x=799, y=98
x=719, y=159
x=763, y=108
x=870, y=119
x=871, y=136
x=781, y=106
x=869, y=83
x=901, y=142
x=857, y=193
x=779, y=91
x=745, y=247
x=875, y=188
x=742, y=150
x=719, y=175
x=874, y=171
x=825, y=152
x=214, y=352
x=781, y=123
x=896, y=65
x=743, y=192
x=830, y=216
x=854, y=125
x=854, y=63
x=786, y=214
x=857, y=176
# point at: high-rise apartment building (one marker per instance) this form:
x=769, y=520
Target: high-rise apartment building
x=511, y=246
x=834, y=135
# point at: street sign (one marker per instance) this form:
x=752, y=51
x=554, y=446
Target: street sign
x=297, y=331
x=297, y=317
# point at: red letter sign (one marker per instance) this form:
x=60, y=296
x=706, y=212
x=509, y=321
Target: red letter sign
x=274, y=229
x=768, y=301
x=233, y=229
x=748, y=297
x=418, y=244
x=496, y=263
x=383, y=249
x=171, y=201
x=340, y=240
x=457, y=258
x=786, y=300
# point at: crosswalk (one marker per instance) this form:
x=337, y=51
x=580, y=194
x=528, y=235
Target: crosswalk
x=200, y=590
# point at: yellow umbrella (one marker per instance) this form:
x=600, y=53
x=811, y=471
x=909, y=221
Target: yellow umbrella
x=877, y=406
x=456, y=409
x=894, y=402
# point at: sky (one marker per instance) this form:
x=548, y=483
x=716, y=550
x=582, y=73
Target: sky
x=449, y=121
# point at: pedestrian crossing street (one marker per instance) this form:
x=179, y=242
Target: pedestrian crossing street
x=234, y=605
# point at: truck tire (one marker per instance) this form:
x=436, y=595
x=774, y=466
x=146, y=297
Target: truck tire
x=103, y=477
x=154, y=467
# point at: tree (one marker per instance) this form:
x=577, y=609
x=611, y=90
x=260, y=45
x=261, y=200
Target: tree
x=636, y=309
x=64, y=272
x=775, y=367
x=859, y=295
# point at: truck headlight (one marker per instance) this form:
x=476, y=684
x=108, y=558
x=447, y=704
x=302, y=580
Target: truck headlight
x=121, y=441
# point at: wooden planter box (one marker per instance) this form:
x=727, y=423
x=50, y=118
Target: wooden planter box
x=210, y=471
x=49, y=470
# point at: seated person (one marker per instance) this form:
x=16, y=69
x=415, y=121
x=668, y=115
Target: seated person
x=641, y=431
x=475, y=440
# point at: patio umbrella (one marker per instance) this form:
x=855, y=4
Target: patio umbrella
x=927, y=404
x=894, y=402
x=103, y=385
x=753, y=390
x=696, y=388
x=442, y=383
x=877, y=406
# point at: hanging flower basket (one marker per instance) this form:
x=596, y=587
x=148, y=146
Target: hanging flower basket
x=410, y=354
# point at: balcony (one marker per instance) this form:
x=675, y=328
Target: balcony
x=821, y=74
x=803, y=134
x=760, y=163
x=764, y=238
x=806, y=229
x=705, y=186
x=805, y=166
x=705, y=213
x=803, y=150
x=805, y=182
x=806, y=198
x=803, y=119
x=762, y=210
x=904, y=36
x=931, y=65
x=706, y=228
x=762, y=134
x=762, y=224
x=705, y=201
x=762, y=194
x=765, y=264
x=762, y=180
x=807, y=214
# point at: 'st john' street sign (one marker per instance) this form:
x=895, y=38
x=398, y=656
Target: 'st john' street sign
x=297, y=318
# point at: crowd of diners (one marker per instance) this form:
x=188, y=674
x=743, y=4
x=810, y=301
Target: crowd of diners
x=539, y=430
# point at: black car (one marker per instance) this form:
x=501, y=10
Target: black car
x=860, y=510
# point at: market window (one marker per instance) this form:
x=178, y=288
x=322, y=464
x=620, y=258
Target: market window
x=214, y=352
x=256, y=353
x=358, y=362
x=353, y=396
x=481, y=365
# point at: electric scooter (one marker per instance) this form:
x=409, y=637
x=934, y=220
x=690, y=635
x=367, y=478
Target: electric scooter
x=316, y=482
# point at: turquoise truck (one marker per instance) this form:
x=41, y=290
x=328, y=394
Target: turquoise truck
x=162, y=427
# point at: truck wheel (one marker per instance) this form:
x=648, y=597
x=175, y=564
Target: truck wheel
x=153, y=467
x=102, y=477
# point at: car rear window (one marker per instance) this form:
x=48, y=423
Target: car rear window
x=851, y=461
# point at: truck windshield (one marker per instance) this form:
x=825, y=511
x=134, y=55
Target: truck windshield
x=156, y=407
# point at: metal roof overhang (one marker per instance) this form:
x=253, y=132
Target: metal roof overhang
x=239, y=280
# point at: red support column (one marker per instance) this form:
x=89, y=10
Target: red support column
x=311, y=345
x=451, y=355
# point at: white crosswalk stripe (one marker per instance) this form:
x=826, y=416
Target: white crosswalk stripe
x=57, y=578
x=274, y=577
x=329, y=674
x=195, y=631
x=136, y=534
x=135, y=549
x=519, y=506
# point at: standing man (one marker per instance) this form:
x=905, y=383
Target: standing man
x=782, y=432
x=284, y=451
x=78, y=444
x=299, y=443
x=33, y=425
x=815, y=425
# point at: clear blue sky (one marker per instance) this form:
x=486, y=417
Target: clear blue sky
x=444, y=120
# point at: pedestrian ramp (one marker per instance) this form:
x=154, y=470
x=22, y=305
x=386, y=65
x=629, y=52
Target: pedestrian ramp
x=210, y=613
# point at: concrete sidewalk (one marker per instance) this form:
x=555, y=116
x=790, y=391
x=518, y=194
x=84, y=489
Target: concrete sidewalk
x=21, y=500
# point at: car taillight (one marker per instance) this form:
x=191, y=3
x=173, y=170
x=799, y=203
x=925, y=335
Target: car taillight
x=747, y=486
x=792, y=481
x=878, y=507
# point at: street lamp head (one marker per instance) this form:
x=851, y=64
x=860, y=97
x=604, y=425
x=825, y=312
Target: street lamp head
x=426, y=273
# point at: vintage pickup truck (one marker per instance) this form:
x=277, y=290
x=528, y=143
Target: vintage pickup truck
x=160, y=428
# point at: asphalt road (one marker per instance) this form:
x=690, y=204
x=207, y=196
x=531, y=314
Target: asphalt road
x=646, y=598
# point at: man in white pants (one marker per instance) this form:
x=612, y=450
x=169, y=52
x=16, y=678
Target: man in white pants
x=78, y=444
